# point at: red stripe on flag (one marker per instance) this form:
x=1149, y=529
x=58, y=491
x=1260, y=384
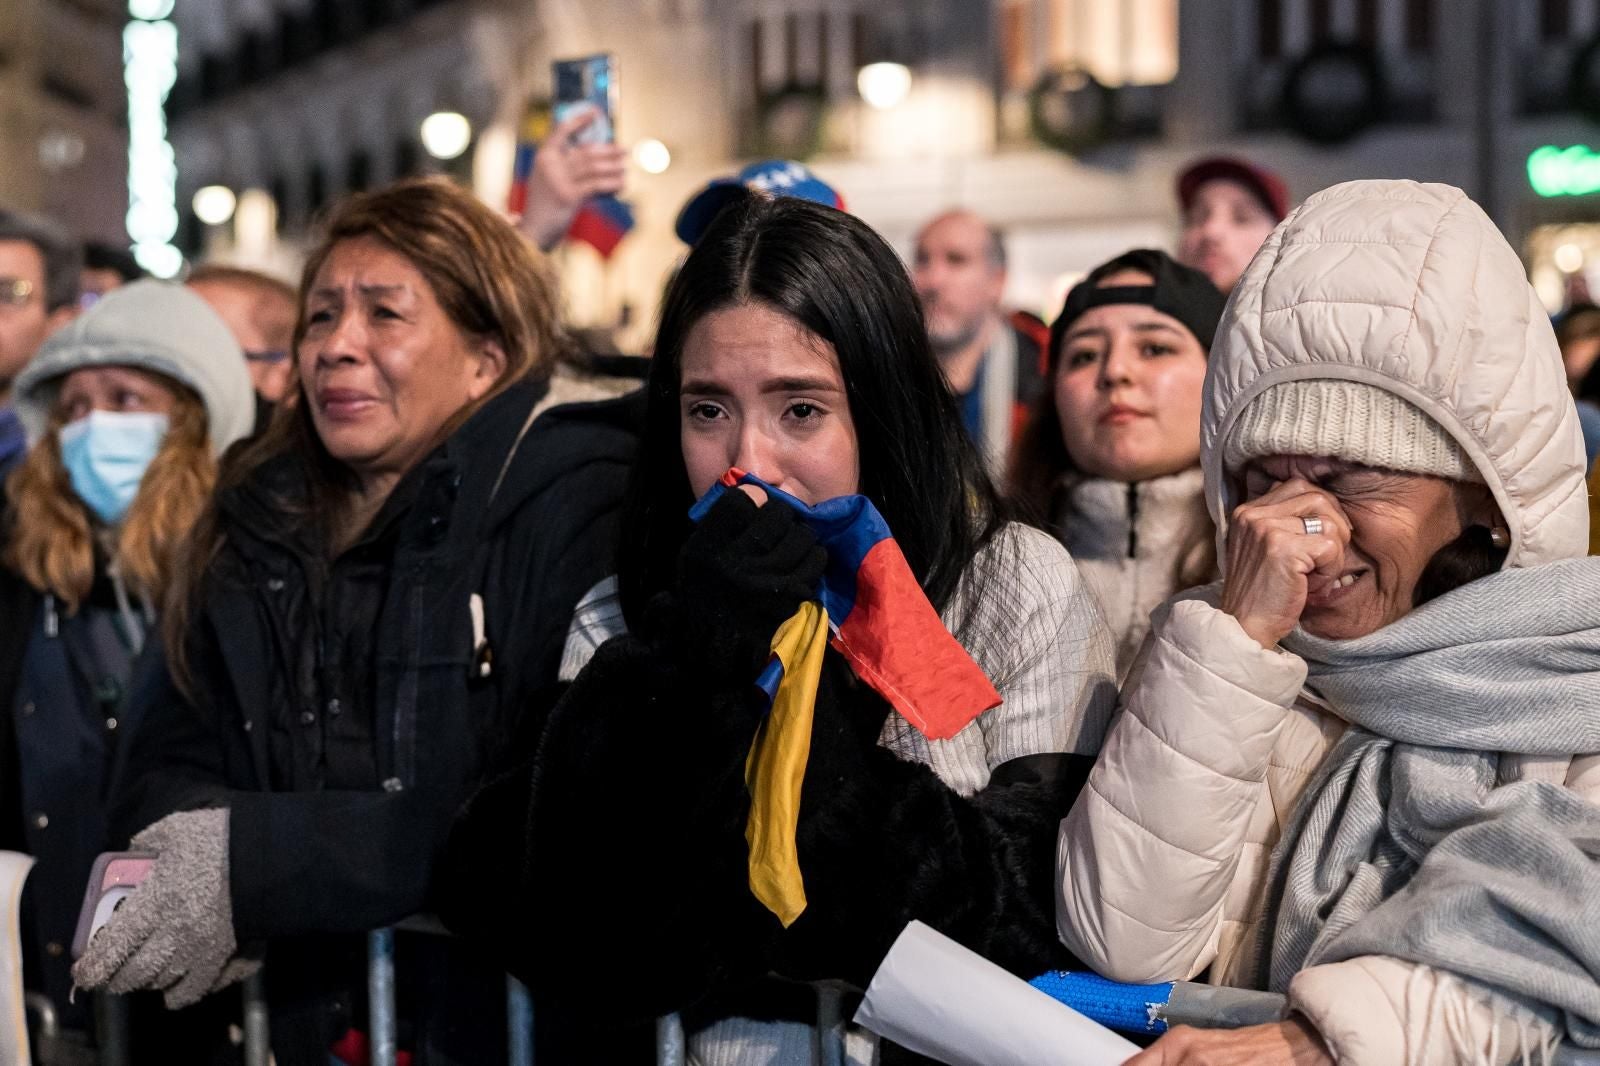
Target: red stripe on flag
x=594, y=228
x=897, y=643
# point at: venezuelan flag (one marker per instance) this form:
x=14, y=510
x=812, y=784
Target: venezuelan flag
x=882, y=623
x=893, y=639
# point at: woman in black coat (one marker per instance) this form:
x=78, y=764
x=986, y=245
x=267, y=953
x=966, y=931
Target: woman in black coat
x=376, y=603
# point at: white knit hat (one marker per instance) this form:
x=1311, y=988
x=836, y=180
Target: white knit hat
x=153, y=325
x=1347, y=420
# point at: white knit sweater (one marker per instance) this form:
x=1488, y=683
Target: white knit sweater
x=1127, y=540
x=1027, y=618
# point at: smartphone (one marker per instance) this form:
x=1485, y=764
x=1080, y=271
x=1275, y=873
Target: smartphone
x=112, y=879
x=589, y=82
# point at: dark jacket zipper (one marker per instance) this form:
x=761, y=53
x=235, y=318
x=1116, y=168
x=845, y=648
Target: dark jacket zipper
x=1133, y=519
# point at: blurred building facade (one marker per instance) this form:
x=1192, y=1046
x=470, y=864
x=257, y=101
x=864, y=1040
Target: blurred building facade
x=63, y=131
x=1063, y=120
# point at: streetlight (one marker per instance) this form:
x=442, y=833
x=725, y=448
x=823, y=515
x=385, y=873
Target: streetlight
x=652, y=156
x=446, y=134
x=214, y=204
x=884, y=85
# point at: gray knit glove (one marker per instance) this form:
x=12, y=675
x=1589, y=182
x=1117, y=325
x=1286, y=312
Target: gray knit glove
x=175, y=932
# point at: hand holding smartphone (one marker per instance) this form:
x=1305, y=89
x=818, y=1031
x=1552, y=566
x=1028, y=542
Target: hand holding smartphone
x=114, y=877
x=587, y=83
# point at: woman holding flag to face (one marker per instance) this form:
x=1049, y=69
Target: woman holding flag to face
x=842, y=692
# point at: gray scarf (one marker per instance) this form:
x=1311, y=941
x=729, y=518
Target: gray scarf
x=1408, y=843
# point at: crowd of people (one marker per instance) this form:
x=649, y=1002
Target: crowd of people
x=1235, y=625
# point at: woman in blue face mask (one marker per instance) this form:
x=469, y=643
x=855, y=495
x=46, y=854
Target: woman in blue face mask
x=127, y=409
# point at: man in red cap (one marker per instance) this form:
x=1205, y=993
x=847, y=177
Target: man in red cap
x=1229, y=207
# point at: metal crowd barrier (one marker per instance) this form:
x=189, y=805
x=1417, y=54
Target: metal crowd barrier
x=1127, y=1008
x=671, y=1042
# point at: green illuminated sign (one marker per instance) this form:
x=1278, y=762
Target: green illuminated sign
x=1571, y=171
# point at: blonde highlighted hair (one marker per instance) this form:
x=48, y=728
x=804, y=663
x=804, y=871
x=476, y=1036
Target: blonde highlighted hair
x=52, y=537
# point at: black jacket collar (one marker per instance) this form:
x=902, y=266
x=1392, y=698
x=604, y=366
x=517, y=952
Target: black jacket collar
x=274, y=501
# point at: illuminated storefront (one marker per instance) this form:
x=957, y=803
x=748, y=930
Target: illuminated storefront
x=1562, y=248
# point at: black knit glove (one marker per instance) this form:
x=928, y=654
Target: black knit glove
x=744, y=570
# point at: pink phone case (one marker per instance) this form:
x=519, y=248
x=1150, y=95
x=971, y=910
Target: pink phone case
x=112, y=879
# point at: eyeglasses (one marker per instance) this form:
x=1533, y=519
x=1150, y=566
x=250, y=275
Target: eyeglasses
x=15, y=292
x=270, y=357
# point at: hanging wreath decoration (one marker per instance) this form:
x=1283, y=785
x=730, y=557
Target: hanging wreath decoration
x=1334, y=92
x=789, y=122
x=1069, y=109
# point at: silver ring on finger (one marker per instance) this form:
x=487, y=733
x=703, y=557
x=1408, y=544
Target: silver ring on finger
x=1313, y=524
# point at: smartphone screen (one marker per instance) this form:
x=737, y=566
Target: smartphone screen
x=113, y=879
x=589, y=82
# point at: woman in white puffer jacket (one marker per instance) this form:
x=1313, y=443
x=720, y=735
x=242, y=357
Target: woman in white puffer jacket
x=1358, y=770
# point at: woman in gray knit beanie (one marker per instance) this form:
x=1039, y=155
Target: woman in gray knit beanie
x=127, y=408
x=1359, y=770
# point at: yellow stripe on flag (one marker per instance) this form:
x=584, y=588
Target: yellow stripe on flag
x=776, y=765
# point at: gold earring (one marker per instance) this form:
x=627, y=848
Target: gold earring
x=1500, y=537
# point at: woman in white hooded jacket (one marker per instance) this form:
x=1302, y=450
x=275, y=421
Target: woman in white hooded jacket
x=1358, y=770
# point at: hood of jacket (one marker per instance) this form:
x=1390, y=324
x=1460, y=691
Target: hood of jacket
x=1412, y=289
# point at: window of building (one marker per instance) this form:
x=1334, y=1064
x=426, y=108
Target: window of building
x=407, y=160
x=1286, y=28
x=316, y=190
x=278, y=189
x=1269, y=29
x=330, y=21
x=248, y=65
x=1120, y=42
x=1555, y=19
x=1419, y=25
x=1016, y=47
x=358, y=171
x=216, y=77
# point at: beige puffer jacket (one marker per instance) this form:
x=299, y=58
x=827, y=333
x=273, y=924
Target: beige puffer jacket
x=1162, y=860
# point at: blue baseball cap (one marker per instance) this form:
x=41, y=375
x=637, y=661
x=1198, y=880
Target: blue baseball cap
x=770, y=177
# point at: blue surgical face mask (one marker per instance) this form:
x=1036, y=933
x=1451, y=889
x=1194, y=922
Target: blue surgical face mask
x=106, y=454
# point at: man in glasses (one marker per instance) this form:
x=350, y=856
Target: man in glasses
x=39, y=264
x=259, y=310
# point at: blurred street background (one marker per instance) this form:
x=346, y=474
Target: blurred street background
x=218, y=128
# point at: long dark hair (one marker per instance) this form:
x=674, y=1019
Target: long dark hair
x=835, y=277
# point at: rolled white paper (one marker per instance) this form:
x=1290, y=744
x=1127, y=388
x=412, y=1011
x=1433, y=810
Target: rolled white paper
x=934, y=997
